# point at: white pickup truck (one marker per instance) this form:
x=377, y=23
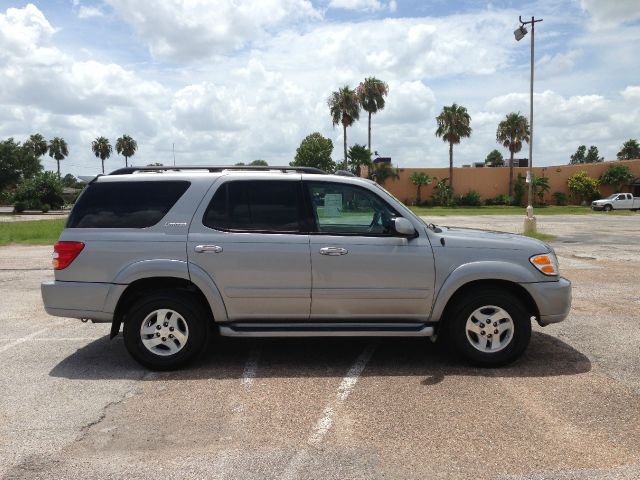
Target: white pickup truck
x=617, y=201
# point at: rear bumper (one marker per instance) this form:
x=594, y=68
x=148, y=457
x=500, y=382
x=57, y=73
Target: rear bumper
x=552, y=298
x=77, y=300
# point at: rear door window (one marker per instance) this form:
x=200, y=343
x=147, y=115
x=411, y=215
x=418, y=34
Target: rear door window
x=268, y=206
x=125, y=204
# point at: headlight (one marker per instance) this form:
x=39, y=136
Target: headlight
x=547, y=263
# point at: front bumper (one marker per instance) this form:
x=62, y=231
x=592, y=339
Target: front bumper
x=597, y=207
x=552, y=298
x=78, y=300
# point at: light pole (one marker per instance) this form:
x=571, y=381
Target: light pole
x=519, y=33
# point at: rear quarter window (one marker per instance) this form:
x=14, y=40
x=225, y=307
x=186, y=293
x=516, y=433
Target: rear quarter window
x=125, y=204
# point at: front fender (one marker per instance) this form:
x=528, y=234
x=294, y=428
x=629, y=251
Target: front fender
x=483, y=270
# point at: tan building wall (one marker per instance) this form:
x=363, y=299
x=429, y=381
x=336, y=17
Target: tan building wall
x=491, y=182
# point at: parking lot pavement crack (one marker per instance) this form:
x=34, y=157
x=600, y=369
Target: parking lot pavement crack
x=85, y=430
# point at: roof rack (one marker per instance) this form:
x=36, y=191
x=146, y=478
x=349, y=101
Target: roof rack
x=213, y=169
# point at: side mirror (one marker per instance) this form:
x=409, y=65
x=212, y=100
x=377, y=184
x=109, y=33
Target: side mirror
x=404, y=227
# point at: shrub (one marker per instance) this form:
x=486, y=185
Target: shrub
x=518, y=191
x=501, y=199
x=617, y=175
x=442, y=193
x=43, y=188
x=584, y=187
x=45, y=207
x=560, y=198
x=5, y=198
x=19, y=207
x=471, y=199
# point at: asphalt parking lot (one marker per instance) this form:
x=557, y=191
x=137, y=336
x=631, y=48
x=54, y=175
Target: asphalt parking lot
x=73, y=404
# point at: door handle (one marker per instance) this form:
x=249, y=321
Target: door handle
x=333, y=251
x=208, y=248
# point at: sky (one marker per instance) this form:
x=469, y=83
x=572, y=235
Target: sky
x=225, y=81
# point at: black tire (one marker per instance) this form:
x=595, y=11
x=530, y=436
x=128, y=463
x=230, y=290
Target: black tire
x=192, y=317
x=608, y=208
x=518, y=336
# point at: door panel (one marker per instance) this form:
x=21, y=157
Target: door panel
x=381, y=278
x=246, y=236
x=359, y=269
x=259, y=275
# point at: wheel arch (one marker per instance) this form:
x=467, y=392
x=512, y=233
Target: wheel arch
x=513, y=288
x=138, y=288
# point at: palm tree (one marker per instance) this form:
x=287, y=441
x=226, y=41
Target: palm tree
x=101, y=149
x=371, y=93
x=58, y=150
x=453, y=125
x=540, y=187
x=37, y=144
x=512, y=131
x=419, y=179
x=125, y=146
x=345, y=109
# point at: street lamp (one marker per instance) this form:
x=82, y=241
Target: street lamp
x=519, y=33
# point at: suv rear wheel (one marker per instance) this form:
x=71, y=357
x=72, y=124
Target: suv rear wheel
x=490, y=327
x=166, y=330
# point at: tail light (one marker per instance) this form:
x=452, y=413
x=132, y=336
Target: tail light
x=64, y=253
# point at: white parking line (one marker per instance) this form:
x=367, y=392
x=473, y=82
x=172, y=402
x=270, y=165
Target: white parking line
x=323, y=425
x=250, y=369
x=18, y=341
x=344, y=390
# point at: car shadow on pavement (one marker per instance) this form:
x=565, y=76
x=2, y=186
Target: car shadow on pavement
x=227, y=358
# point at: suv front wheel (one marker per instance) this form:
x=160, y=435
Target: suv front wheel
x=490, y=327
x=165, y=330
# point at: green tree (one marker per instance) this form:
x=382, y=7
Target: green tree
x=315, y=151
x=617, y=175
x=58, y=150
x=593, y=156
x=583, y=187
x=495, y=159
x=512, y=131
x=540, y=187
x=382, y=172
x=101, y=148
x=442, y=192
x=630, y=150
x=453, y=125
x=45, y=188
x=37, y=144
x=583, y=156
x=125, y=146
x=17, y=163
x=344, y=109
x=359, y=156
x=419, y=179
x=371, y=93
x=579, y=157
x=259, y=163
x=69, y=181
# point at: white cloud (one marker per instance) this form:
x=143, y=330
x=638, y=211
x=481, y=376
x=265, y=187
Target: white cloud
x=89, y=12
x=632, y=92
x=608, y=14
x=370, y=5
x=185, y=30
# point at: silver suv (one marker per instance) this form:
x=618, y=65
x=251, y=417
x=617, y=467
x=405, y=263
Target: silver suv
x=278, y=251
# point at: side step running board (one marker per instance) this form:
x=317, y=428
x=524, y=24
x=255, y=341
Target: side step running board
x=299, y=329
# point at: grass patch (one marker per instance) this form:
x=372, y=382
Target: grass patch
x=508, y=210
x=545, y=237
x=31, y=232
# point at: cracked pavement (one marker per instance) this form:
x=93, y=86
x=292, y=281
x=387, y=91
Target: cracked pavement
x=74, y=405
